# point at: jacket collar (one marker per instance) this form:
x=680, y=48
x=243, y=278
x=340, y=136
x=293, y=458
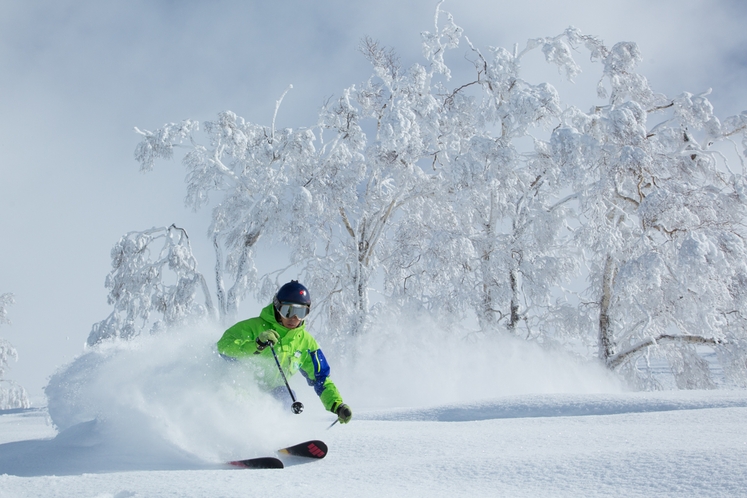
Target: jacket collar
x=268, y=315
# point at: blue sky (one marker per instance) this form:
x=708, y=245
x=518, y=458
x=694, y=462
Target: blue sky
x=77, y=76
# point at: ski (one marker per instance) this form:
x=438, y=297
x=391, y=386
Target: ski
x=310, y=449
x=259, y=463
x=313, y=449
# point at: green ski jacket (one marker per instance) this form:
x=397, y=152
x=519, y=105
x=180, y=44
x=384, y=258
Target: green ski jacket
x=296, y=350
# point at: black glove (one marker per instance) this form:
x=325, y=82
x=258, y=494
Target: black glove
x=344, y=413
x=266, y=338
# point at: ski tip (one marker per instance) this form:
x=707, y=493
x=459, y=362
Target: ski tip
x=259, y=463
x=309, y=449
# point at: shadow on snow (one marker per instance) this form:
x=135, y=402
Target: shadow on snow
x=92, y=447
x=566, y=405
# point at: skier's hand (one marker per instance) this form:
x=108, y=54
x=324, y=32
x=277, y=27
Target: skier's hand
x=344, y=413
x=266, y=338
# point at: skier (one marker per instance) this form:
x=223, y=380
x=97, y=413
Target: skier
x=281, y=324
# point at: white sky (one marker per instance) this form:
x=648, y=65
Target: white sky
x=77, y=75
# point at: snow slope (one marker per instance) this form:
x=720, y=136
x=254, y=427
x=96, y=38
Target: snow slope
x=672, y=444
x=159, y=416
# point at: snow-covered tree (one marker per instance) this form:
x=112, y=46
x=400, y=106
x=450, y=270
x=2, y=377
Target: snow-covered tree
x=500, y=251
x=12, y=395
x=369, y=186
x=5, y=301
x=332, y=204
x=662, y=224
x=450, y=216
x=260, y=174
x=150, y=290
x=487, y=197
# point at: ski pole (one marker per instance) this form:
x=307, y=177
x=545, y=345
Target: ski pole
x=297, y=406
x=333, y=423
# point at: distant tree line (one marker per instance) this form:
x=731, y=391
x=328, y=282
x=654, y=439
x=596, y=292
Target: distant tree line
x=12, y=395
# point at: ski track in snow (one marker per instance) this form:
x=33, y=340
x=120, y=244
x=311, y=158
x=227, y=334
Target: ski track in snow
x=635, y=444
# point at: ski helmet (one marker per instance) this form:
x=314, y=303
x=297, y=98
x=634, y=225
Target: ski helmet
x=292, y=292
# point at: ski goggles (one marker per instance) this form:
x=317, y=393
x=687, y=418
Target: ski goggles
x=288, y=310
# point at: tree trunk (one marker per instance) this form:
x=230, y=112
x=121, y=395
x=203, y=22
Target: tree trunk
x=237, y=290
x=486, y=315
x=361, y=290
x=606, y=340
x=220, y=288
x=514, y=318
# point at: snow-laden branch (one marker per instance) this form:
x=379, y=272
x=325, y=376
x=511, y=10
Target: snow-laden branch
x=619, y=358
x=138, y=290
x=277, y=107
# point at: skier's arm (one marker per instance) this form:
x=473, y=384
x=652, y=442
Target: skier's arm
x=237, y=341
x=316, y=371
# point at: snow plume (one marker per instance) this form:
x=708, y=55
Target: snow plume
x=170, y=395
x=170, y=401
x=415, y=362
